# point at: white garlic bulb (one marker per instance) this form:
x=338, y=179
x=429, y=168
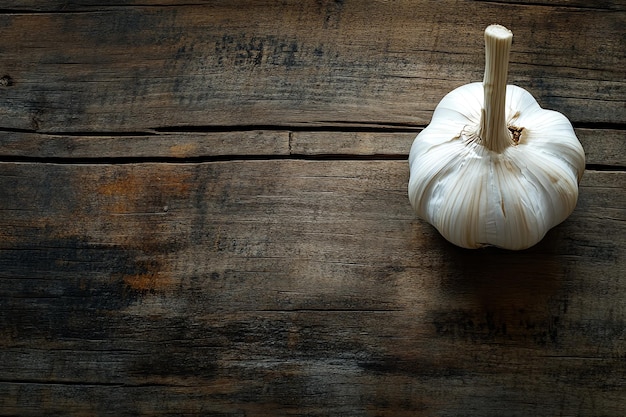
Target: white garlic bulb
x=493, y=167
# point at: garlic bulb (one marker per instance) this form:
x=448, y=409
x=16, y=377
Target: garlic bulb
x=493, y=167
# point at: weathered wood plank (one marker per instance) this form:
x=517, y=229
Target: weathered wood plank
x=307, y=63
x=56, y=6
x=606, y=147
x=602, y=146
x=296, y=288
x=147, y=145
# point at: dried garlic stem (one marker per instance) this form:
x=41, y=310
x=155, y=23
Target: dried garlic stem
x=493, y=131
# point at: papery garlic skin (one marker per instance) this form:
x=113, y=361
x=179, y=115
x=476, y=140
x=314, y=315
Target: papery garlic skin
x=508, y=197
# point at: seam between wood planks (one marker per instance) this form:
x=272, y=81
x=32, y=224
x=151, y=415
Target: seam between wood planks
x=291, y=152
x=332, y=126
x=84, y=383
x=554, y=6
x=96, y=9
x=198, y=159
x=121, y=6
x=329, y=126
x=233, y=158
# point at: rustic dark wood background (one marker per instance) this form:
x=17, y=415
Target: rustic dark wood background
x=203, y=212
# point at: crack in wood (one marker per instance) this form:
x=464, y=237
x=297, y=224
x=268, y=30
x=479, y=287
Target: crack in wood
x=197, y=159
x=606, y=168
x=86, y=9
x=233, y=158
x=326, y=126
x=331, y=310
x=552, y=5
x=84, y=383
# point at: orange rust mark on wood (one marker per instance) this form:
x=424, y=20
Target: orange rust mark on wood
x=182, y=150
x=122, y=186
x=148, y=282
x=134, y=192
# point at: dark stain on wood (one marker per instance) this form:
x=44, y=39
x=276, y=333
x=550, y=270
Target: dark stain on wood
x=77, y=281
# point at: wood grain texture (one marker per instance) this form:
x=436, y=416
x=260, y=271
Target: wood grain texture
x=203, y=212
x=296, y=287
x=244, y=143
x=602, y=146
x=112, y=69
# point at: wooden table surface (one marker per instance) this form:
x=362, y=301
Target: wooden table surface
x=203, y=212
